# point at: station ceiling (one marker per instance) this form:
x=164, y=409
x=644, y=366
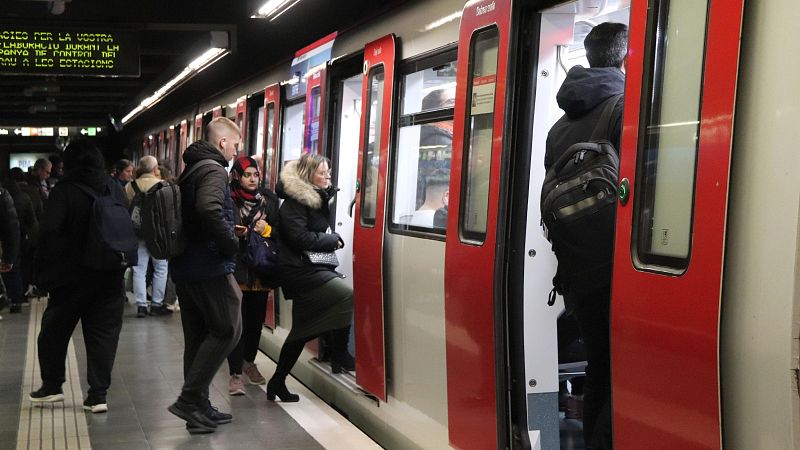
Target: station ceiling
x=170, y=33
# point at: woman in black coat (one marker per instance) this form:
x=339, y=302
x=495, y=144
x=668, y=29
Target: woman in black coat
x=322, y=300
x=257, y=208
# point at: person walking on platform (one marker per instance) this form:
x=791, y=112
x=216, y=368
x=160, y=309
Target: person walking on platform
x=78, y=292
x=255, y=210
x=584, y=96
x=209, y=294
x=321, y=300
x=148, y=176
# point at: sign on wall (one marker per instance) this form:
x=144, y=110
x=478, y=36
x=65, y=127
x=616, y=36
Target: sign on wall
x=68, y=51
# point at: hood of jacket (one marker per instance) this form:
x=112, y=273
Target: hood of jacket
x=293, y=186
x=201, y=150
x=93, y=177
x=583, y=89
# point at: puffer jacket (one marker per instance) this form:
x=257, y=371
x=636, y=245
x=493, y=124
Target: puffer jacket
x=207, y=208
x=305, y=219
x=581, y=96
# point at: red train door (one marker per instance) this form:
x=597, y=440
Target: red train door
x=216, y=112
x=198, y=127
x=315, y=98
x=182, y=144
x=469, y=280
x=676, y=145
x=241, y=122
x=272, y=104
x=373, y=155
x=169, y=152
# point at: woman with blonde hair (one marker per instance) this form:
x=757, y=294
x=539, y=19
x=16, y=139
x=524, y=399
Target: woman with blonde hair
x=322, y=300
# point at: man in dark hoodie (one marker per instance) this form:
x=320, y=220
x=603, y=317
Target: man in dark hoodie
x=77, y=292
x=582, y=97
x=203, y=274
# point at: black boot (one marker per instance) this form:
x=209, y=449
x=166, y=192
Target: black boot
x=278, y=388
x=341, y=359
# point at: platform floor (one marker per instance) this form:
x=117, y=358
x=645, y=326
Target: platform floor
x=147, y=378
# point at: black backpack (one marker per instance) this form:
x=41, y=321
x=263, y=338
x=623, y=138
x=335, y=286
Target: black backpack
x=578, y=207
x=162, y=218
x=136, y=208
x=111, y=243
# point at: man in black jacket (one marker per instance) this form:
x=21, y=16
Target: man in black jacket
x=582, y=96
x=203, y=274
x=9, y=238
x=77, y=292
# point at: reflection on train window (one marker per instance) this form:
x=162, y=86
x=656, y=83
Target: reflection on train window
x=269, y=154
x=369, y=177
x=311, y=142
x=258, y=149
x=292, y=136
x=423, y=160
x=478, y=136
x=429, y=89
x=668, y=148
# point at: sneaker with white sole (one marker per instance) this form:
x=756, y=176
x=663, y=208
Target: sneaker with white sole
x=44, y=395
x=95, y=405
x=236, y=385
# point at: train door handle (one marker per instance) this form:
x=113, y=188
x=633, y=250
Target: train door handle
x=624, y=191
x=350, y=208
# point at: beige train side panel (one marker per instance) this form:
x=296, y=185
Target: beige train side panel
x=761, y=407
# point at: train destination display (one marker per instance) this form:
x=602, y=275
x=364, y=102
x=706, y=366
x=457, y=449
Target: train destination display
x=68, y=51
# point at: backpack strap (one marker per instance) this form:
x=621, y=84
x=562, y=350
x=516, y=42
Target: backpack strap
x=197, y=165
x=601, y=129
x=135, y=187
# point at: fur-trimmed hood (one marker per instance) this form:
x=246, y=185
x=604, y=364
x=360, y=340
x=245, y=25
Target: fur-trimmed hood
x=295, y=187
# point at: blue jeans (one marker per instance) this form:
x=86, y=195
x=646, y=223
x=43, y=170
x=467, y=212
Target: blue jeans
x=140, y=277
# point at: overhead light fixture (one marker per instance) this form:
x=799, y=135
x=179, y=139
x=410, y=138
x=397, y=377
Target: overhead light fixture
x=274, y=8
x=208, y=58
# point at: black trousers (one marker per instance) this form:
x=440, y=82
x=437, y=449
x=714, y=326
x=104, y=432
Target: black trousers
x=212, y=324
x=592, y=310
x=254, y=311
x=98, y=304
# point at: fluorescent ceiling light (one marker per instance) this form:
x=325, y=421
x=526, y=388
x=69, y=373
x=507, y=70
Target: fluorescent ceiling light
x=274, y=8
x=208, y=58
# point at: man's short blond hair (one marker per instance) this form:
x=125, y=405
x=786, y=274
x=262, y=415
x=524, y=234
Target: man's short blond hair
x=221, y=127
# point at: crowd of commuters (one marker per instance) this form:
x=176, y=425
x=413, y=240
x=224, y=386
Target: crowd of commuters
x=45, y=222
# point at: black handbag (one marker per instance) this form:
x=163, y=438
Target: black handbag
x=327, y=259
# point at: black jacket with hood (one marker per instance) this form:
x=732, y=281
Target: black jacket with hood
x=211, y=246
x=581, y=96
x=304, y=221
x=63, y=229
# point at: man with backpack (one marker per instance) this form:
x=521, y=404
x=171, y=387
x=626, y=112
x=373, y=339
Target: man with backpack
x=578, y=207
x=203, y=273
x=137, y=191
x=86, y=242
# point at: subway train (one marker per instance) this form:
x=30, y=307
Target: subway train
x=435, y=116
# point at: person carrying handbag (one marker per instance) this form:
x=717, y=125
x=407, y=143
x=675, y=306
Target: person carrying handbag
x=256, y=218
x=322, y=301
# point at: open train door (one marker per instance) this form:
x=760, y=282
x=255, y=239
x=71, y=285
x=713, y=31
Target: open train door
x=474, y=364
x=373, y=155
x=675, y=156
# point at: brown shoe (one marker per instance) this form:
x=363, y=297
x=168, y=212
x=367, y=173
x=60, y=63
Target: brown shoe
x=235, y=385
x=251, y=370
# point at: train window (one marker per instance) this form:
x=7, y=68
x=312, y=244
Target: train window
x=372, y=142
x=270, y=148
x=669, y=142
x=478, y=136
x=292, y=142
x=424, y=147
x=312, y=131
x=429, y=89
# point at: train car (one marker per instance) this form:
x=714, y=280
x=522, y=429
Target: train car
x=435, y=116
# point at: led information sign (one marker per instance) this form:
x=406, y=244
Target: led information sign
x=68, y=51
x=52, y=131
